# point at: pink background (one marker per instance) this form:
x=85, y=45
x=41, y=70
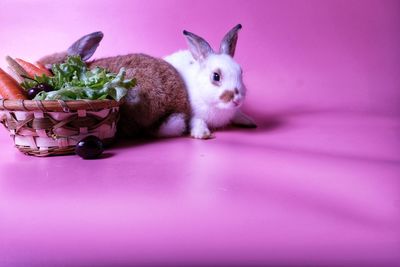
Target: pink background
x=294, y=53
x=316, y=184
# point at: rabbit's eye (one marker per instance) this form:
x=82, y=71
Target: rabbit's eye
x=216, y=77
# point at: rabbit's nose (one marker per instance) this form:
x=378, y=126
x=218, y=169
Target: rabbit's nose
x=227, y=96
x=236, y=91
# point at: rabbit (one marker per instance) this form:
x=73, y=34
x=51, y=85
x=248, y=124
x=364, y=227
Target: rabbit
x=214, y=83
x=177, y=94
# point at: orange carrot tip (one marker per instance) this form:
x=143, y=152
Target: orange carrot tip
x=31, y=69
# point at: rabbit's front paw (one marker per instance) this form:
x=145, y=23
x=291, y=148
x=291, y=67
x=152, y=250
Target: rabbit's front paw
x=201, y=133
x=199, y=129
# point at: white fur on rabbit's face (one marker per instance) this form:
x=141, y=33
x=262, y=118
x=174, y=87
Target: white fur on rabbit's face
x=220, y=82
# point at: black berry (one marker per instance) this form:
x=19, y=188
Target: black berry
x=89, y=147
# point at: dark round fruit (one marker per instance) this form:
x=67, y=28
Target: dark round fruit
x=32, y=92
x=89, y=147
x=45, y=87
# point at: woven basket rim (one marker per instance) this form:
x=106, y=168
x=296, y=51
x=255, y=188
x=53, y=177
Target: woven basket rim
x=56, y=105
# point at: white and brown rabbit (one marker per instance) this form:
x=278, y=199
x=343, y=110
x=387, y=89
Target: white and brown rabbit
x=197, y=87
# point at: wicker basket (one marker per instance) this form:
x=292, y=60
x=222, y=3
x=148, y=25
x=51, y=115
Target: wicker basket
x=43, y=128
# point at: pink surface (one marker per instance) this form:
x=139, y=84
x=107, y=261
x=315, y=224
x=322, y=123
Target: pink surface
x=317, y=184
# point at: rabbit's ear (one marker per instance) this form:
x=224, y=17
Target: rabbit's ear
x=199, y=47
x=86, y=45
x=228, y=44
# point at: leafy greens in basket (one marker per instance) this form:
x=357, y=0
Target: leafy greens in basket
x=73, y=80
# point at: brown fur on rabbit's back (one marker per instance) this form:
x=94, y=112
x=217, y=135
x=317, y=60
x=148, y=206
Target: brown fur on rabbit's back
x=160, y=92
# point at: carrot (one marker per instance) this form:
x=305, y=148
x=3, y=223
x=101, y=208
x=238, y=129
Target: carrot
x=42, y=67
x=31, y=69
x=9, y=88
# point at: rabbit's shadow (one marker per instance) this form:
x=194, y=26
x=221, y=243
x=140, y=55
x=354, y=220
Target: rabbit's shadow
x=265, y=122
x=268, y=121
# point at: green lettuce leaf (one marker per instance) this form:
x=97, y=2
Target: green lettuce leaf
x=72, y=80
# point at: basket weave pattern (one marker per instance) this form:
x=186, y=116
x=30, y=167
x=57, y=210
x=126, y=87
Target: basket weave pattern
x=43, y=128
